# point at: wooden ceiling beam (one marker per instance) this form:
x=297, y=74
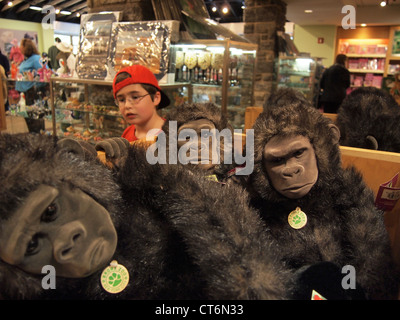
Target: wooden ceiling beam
x=78, y=7
x=26, y=6
x=15, y=3
x=67, y=4
x=54, y=2
x=73, y=15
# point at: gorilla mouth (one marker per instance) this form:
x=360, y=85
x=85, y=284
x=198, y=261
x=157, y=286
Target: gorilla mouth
x=96, y=257
x=296, y=191
x=196, y=160
x=297, y=188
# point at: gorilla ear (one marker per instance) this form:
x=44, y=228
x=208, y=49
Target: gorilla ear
x=372, y=143
x=335, y=132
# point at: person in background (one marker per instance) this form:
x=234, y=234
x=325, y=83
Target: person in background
x=4, y=71
x=5, y=63
x=138, y=96
x=64, y=56
x=16, y=56
x=4, y=86
x=334, y=83
x=52, y=54
x=28, y=66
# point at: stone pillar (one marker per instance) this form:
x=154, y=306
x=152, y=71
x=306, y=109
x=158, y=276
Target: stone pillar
x=132, y=10
x=263, y=18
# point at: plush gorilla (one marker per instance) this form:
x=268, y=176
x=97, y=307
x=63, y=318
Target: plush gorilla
x=178, y=235
x=369, y=118
x=218, y=159
x=196, y=135
x=317, y=211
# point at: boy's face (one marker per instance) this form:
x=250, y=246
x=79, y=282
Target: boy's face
x=136, y=105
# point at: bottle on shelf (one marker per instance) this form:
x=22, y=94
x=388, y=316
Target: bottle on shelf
x=22, y=103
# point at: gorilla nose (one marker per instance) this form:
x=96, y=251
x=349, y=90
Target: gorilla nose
x=68, y=242
x=291, y=170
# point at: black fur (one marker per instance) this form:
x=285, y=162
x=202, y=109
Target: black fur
x=369, y=112
x=343, y=225
x=179, y=235
x=195, y=111
x=226, y=240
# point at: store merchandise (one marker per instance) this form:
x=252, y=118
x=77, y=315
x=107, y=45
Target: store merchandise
x=86, y=112
x=85, y=108
x=106, y=45
x=22, y=103
x=219, y=160
x=34, y=113
x=294, y=143
x=203, y=245
x=143, y=42
x=95, y=36
x=366, y=61
x=219, y=72
x=350, y=47
x=377, y=126
x=365, y=80
x=366, y=64
x=296, y=72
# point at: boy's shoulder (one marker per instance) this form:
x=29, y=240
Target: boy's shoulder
x=129, y=133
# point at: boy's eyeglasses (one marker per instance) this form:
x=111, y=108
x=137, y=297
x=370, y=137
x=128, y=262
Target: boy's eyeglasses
x=132, y=98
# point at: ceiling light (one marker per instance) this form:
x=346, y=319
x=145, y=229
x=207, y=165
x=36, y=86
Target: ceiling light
x=308, y=11
x=214, y=9
x=383, y=3
x=78, y=14
x=363, y=24
x=57, y=11
x=67, y=13
x=225, y=10
x=10, y=3
x=35, y=8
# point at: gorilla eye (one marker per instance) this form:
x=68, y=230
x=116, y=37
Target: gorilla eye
x=299, y=152
x=50, y=214
x=276, y=160
x=33, y=246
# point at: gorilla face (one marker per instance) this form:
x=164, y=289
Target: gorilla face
x=201, y=149
x=62, y=227
x=291, y=165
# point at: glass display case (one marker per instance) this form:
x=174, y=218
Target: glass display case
x=297, y=73
x=85, y=109
x=31, y=110
x=220, y=71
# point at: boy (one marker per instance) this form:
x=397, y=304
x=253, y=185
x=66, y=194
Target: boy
x=138, y=96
